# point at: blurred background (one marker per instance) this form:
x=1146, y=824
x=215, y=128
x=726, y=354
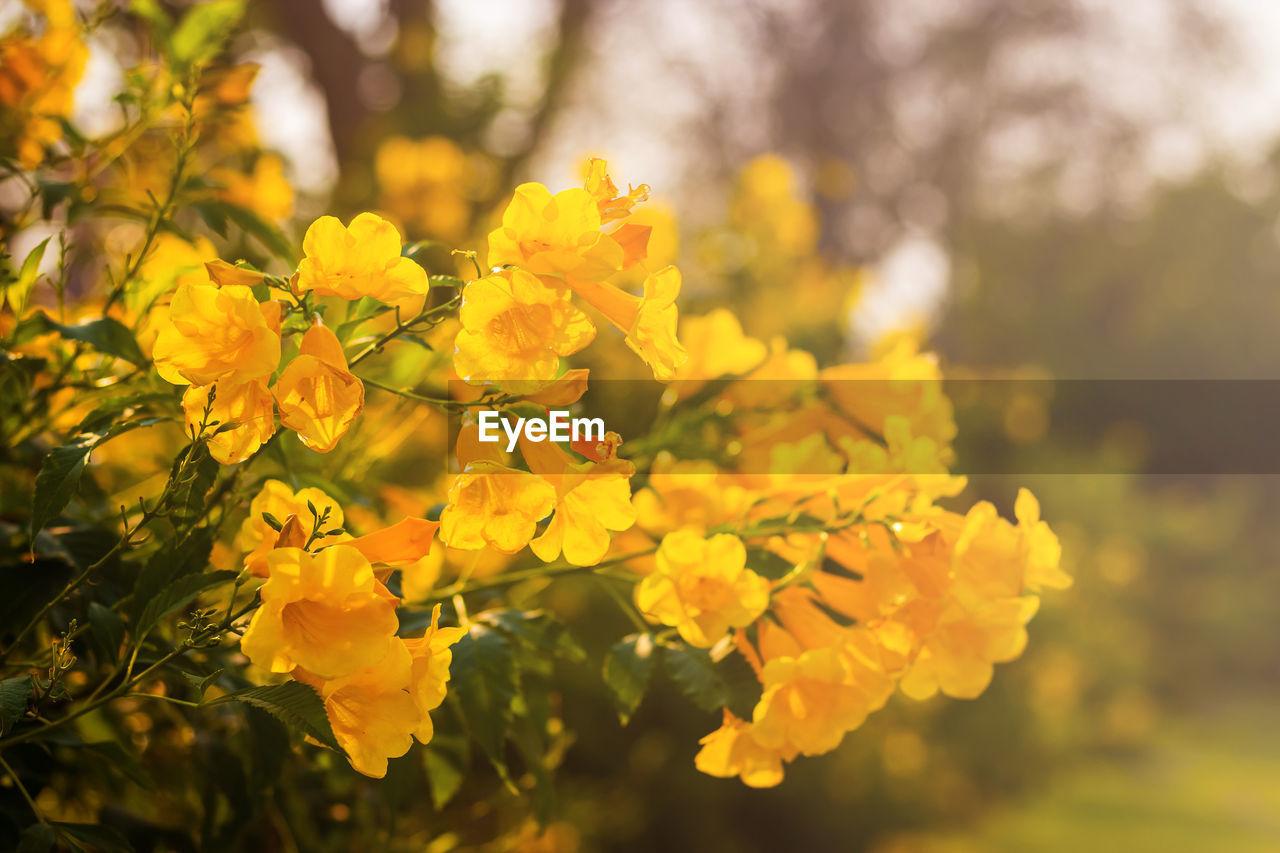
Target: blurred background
x=1072, y=189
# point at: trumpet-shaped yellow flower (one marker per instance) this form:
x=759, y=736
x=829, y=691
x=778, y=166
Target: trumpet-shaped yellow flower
x=702, y=587
x=958, y=652
x=431, y=655
x=325, y=613
x=515, y=327
x=256, y=538
x=362, y=259
x=811, y=701
x=217, y=333
x=319, y=397
x=491, y=504
x=371, y=711
x=592, y=499
x=648, y=321
x=244, y=413
x=732, y=750
x=555, y=235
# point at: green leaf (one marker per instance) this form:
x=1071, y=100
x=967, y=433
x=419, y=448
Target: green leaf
x=106, y=334
x=58, y=479
x=444, y=281
x=187, y=505
x=36, y=838
x=107, y=629
x=179, y=594
x=447, y=758
x=695, y=672
x=94, y=836
x=293, y=703
x=176, y=559
x=767, y=564
x=628, y=668
x=536, y=629
x=204, y=29
x=483, y=676
x=117, y=761
x=151, y=12
x=19, y=289
x=203, y=683
x=14, y=693
x=266, y=232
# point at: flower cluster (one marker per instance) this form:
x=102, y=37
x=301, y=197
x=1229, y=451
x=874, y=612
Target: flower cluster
x=329, y=621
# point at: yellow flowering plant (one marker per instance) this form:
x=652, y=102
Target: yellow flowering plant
x=309, y=553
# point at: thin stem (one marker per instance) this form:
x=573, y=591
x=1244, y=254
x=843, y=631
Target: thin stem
x=403, y=326
x=26, y=795
x=550, y=570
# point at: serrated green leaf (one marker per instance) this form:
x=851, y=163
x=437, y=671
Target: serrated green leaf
x=107, y=629
x=293, y=703
x=695, y=672
x=483, y=676
x=179, y=594
x=537, y=629
x=14, y=693
x=174, y=560
x=106, y=334
x=203, y=30
x=58, y=479
x=628, y=667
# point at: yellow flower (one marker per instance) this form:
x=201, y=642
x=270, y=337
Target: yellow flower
x=958, y=653
x=555, y=235
x=732, y=750
x=264, y=190
x=244, y=413
x=371, y=711
x=702, y=587
x=592, y=498
x=325, y=613
x=491, y=503
x=611, y=204
x=649, y=322
x=717, y=347
x=811, y=701
x=38, y=77
x=217, y=333
x=431, y=659
x=257, y=539
x=514, y=328
x=359, y=260
x=319, y=397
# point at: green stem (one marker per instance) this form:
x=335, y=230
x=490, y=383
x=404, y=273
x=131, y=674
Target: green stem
x=25, y=794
